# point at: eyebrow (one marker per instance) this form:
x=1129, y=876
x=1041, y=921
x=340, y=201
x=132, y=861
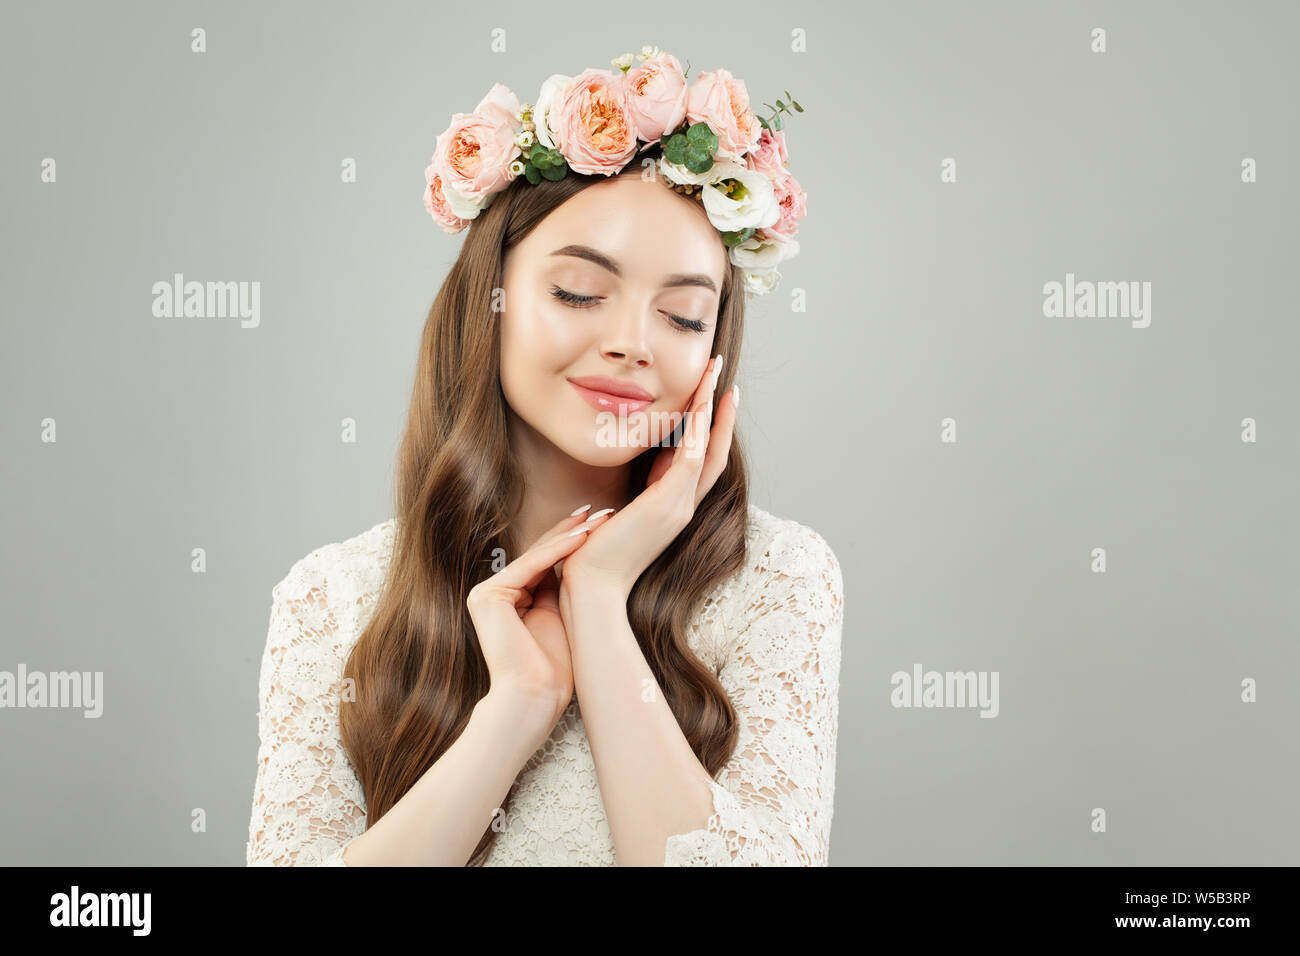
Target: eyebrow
x=605, y=262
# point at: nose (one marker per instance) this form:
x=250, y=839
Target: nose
x=624, y=340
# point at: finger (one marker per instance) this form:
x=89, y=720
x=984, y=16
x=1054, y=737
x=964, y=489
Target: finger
x=708, y=381
x=715, y=456
x=527, y=569
x=684, y=471
x=564, y=524
x=578, y=534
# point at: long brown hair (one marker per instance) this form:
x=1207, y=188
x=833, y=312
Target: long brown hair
x=417, y=666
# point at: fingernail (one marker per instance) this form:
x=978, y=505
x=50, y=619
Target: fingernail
x=717, y=369
x=735, y=393
x=574, y=514
x=577, y=531
x=604, y=511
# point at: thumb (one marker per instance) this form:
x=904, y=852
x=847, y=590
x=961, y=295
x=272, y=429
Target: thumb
x=546, y=594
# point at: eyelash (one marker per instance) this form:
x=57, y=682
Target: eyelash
x=585, y=301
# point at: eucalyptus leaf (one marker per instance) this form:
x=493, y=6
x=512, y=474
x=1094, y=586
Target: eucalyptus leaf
x=732, y=239
x=700, y=135
x=675, y=151
x=699, y=161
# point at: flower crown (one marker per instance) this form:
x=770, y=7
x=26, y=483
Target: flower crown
x=713, y=148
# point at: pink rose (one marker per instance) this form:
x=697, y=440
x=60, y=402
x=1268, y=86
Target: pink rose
x=474, y=154
x=769, y=157
x=656, y=96
x=591, y=123
x=436, y=202
x=721, y=100
x=793, y=204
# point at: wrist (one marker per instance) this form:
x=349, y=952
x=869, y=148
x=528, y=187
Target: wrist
x=536, y=712
x=580, y=589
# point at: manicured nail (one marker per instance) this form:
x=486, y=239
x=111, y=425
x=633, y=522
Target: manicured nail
x=735, y=396
x=574, y=514
x=717, y=369
x=604, y=511
x=577, y=531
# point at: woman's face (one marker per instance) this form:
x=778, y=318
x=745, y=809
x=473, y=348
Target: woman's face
x=619, y=285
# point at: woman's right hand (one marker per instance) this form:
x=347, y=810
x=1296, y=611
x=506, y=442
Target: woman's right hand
x=516, y=615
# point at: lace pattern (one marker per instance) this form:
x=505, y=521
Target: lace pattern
x=772, y=633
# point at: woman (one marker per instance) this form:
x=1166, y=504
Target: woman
x=493, y=677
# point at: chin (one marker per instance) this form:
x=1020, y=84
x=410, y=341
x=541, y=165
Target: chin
x=585, y=446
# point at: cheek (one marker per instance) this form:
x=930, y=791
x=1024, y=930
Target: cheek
x=536, y=341
x=682, y=363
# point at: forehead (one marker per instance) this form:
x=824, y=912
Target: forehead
x=649, y=229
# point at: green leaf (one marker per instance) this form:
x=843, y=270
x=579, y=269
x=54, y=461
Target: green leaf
x=777, y=122
x=675, y=150
x=699, y=160
x=555, y=172
x=731, y=239
x=699, y=135
x=532, y=175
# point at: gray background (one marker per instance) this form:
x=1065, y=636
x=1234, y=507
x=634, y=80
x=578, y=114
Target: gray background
x=1118, y=690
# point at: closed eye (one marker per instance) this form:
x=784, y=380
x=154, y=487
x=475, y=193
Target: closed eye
x=587, y=301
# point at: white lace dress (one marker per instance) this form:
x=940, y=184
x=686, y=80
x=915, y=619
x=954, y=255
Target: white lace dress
x=771, y=632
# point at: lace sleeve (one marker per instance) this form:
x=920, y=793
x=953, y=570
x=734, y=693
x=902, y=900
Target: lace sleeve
x=307, y=802
x=772, y=802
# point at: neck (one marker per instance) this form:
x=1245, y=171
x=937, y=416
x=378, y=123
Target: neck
x=557, y=484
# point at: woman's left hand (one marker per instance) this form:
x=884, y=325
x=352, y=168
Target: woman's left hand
x=618, y=551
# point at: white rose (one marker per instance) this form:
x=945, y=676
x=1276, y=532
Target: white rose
x=756, y=207
x=462, y=207
x=683, y=176
x=760, y=282
x=759, y=255
x=552, y=88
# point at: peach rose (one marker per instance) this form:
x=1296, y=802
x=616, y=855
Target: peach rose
x=793, y=203
x=591, y=124
x=436, y=202
x=721, y=100
x=769, y=156
x=474, y=153
x=656, y=96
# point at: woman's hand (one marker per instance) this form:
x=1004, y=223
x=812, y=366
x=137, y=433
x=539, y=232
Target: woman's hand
x=615, y=556
x=517, y=619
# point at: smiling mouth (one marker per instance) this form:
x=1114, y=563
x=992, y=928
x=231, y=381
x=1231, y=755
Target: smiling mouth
x=608, y=402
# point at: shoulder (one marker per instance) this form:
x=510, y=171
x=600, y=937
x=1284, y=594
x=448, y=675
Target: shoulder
x=784, y=551
x=357, y=563
x=786, y=604
x=326, y=596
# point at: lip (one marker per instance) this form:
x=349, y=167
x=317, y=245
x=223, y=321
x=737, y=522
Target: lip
x=610, y=395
